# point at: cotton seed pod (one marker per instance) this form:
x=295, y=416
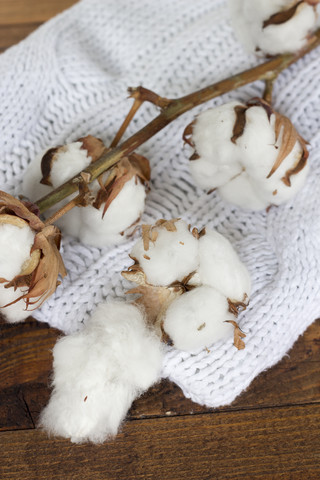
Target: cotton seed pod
x=249, y=152
x=30, y=262
x=118, y=196
x=190, y=306
x=274, y=26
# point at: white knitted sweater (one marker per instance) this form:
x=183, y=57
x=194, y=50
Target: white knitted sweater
x=69, y=79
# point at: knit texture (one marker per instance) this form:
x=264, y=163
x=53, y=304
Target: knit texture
x=69, y=79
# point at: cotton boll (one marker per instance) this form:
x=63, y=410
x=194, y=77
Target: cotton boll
x=249, y=17
x=259, y=141
x=123, y=211
x=99, y=372
x=219, y=158
x=87, y=223
x=171, y=257
x=270, y=157
x=197, y=319
x=290, y=36
x=221, y=268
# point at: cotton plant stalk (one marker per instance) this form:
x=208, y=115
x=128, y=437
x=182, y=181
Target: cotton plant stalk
x=170, y=110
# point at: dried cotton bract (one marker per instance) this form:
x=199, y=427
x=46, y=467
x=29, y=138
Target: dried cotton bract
x=191, y=284
x=117, y=197
x=250, y=153
x=99, y=372
x=273, y=26
x=30, y=262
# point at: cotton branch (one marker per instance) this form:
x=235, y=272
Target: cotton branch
x=172, y=109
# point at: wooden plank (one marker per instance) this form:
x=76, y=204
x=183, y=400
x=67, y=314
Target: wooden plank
x=30, y=11
x=12, y=34
x=25, y=352
x=25, y=366
x=274, y=443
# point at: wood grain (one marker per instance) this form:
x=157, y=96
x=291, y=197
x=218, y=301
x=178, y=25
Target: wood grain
x=18, y=18
x=14, y=12
x=26, y=362
x=274, y=443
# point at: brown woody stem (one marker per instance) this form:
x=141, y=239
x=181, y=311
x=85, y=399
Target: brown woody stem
x=135, y=107
x=267, y=94
x=172, y=109
x=59, y=213
x=140, y=95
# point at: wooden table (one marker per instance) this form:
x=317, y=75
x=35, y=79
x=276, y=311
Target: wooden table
x=272, y=431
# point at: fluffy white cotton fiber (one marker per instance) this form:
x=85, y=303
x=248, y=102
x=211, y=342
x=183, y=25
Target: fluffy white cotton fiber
x=88, y=225
x=197, y=319
x=15, y=246
x=172, y=256
x=258, y=31
x=99, y=371
x=207, y=173
x=221, y=268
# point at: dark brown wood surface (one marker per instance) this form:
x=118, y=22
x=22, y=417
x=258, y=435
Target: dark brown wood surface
x=271, y=431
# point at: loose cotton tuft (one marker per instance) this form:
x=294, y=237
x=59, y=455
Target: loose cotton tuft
x=273, y=26
x=250, y=153
x=99, y=371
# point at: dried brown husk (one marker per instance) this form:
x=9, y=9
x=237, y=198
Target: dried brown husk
x=154, y=299
x=238, y=335
x=39, y=275
x=284, y=15
x=94, y=147
x=240, y=122
x=288, y=140
x=133, y=166
x=187, y=134
x=47, y=162
x=284, y=127
x=235, y=307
